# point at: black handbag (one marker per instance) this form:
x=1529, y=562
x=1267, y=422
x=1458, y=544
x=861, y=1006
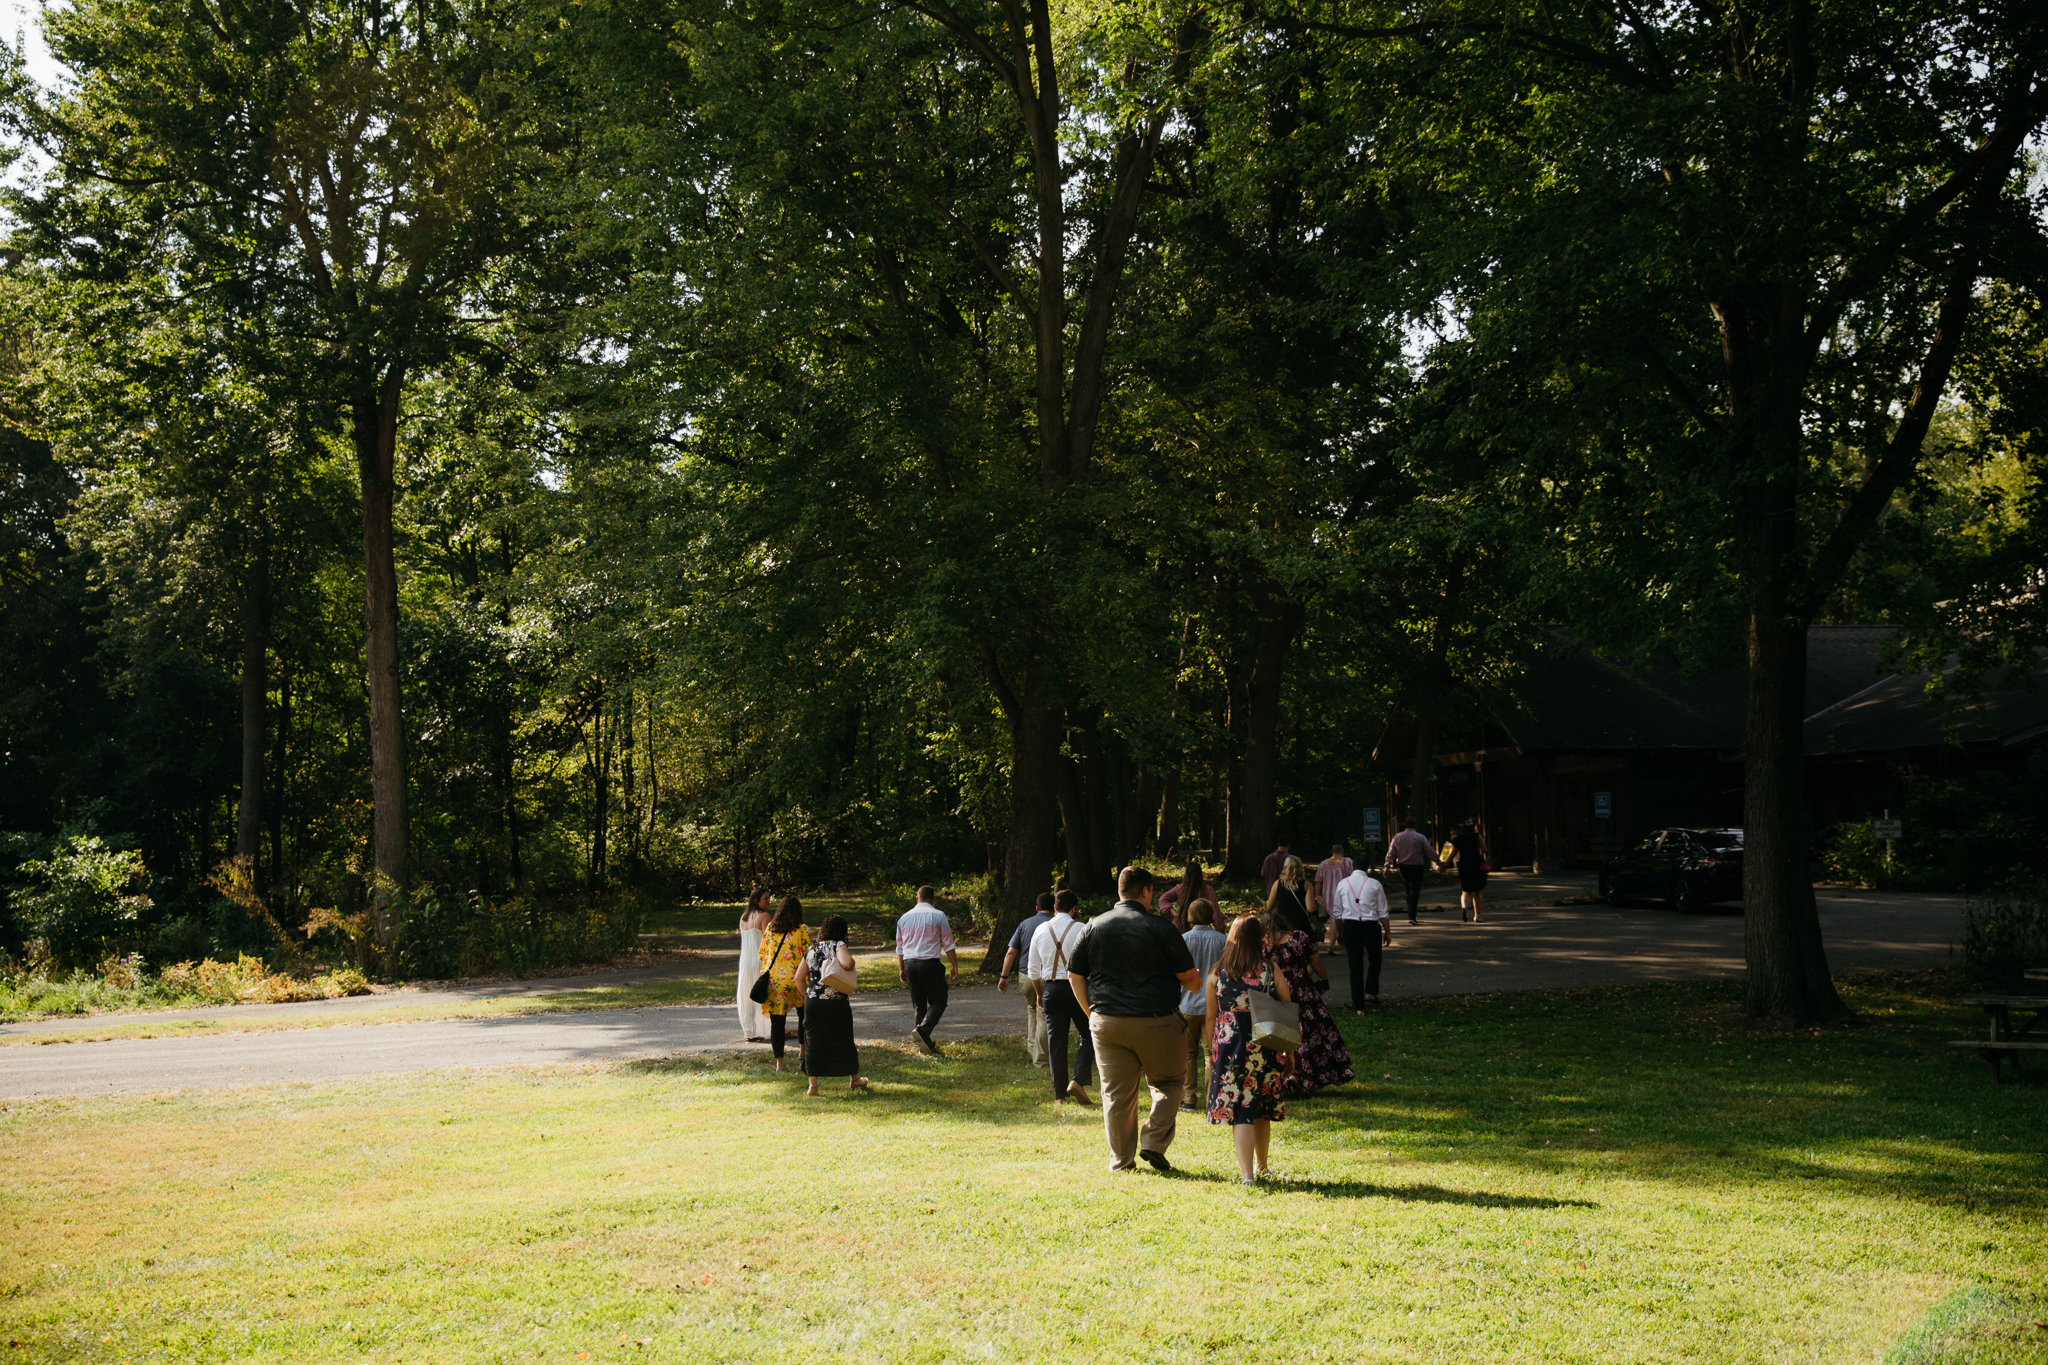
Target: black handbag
x=759, y=994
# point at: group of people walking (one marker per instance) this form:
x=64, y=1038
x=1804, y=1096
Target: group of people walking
x=1151, y=998
x=1159, y=998
x=811, y=978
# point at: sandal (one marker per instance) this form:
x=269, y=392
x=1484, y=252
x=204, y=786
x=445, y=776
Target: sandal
x=858, y=1083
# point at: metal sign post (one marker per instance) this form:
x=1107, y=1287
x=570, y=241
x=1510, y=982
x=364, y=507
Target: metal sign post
x=1888, y=829
x=1372, y=826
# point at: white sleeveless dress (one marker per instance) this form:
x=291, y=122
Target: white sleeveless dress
x=753, y=1019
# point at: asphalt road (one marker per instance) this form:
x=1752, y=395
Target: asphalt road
x=1522, y=946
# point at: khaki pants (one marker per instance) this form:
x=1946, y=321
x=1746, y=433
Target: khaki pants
x=1034, y=1022
x=1198, y=1048
x=1129, y=1052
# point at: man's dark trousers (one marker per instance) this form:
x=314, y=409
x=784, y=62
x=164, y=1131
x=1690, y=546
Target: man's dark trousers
x=927, y=992
x=1411, y=882
x=1362, y=941
x=1061, y=1011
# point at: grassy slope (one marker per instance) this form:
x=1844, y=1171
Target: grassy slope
x=1622, y=1175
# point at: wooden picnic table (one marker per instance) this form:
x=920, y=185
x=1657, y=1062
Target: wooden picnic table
x=2002, y=1039
x=2037, y=973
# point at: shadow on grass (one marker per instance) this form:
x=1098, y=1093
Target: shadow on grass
x=1666, y=1082
x=1422, y=1194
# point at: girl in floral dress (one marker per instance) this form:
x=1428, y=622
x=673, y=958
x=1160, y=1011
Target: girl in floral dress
x=782, y=952
x=1322, y=1060
x=1245, y=1082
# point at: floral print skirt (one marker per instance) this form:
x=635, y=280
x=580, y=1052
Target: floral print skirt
x=1246, y=1083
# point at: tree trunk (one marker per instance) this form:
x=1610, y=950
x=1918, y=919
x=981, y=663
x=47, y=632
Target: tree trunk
x=1236, y=854
x=629, y=809
x=653, y=775
x=280, y=749
x=508, y=786
x=1035, y=759
x=600, y=797
x=1144, y=812
x=1788, y=965
x=376, y=438
x=1167, y=844
x=1273, y=633
x=1074, y=828
x=1123, y=813
x=1095, y=790
x=255, y=695
x=1166, y=840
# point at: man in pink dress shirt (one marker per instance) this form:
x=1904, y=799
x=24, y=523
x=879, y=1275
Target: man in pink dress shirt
x=1412, y=854
x=923, y=936
x=1329, y=872
x=1269, y=870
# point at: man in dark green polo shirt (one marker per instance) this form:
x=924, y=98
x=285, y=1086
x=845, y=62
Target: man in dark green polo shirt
x=1128, y=974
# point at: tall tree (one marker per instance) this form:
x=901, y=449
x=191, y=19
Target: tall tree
x=342, y=175
x=1715, y=266
x=892, y=359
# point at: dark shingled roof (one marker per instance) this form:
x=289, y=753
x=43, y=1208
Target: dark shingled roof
x=1893, y=714
x=1571, y=700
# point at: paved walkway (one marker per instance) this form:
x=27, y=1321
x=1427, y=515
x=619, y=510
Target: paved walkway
x=1522, y=946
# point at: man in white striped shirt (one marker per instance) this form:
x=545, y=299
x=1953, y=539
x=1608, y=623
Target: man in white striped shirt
x=1358, y=918
x=1051, y=947
x=923, y=936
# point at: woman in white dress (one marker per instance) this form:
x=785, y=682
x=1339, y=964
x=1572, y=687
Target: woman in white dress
x=753, y=921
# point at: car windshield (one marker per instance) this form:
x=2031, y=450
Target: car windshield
x=1720, y=838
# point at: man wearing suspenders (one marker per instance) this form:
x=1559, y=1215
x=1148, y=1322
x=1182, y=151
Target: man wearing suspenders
x=1017, y=960
x=1051, y=948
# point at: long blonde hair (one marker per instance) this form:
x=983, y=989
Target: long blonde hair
x=1293, y=872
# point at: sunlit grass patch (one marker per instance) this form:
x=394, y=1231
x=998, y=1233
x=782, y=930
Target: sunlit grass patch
x=1514, y=1178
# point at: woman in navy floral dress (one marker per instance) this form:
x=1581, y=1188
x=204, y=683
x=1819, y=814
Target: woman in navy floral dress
x=1323, y=1060
x=1245, y=1082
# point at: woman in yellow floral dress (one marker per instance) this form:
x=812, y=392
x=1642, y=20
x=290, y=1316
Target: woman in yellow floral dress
x=782, y=952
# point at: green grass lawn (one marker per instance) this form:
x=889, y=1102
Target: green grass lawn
x=1624, y=1175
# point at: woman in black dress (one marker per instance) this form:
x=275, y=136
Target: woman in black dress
x=1471, y=860
x=1292, y=901
x=828, y=1014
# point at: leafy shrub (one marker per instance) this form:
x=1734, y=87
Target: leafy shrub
x=430, y=933
x=2005, y=933
x=180, y=938
x=441, y=935
x=1851, y=852
x=978, y=910
x=81, y=898
x=31, y=988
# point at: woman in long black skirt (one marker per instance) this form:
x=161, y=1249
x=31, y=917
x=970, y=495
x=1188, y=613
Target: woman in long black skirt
x=828, y=1014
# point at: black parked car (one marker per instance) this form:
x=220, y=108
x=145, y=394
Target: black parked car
x=1690, y=868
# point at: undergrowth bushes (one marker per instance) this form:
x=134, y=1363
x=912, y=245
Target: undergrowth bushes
x=442, y=935
x=37, y=988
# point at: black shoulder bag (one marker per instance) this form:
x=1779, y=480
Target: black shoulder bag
x=759, y=994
